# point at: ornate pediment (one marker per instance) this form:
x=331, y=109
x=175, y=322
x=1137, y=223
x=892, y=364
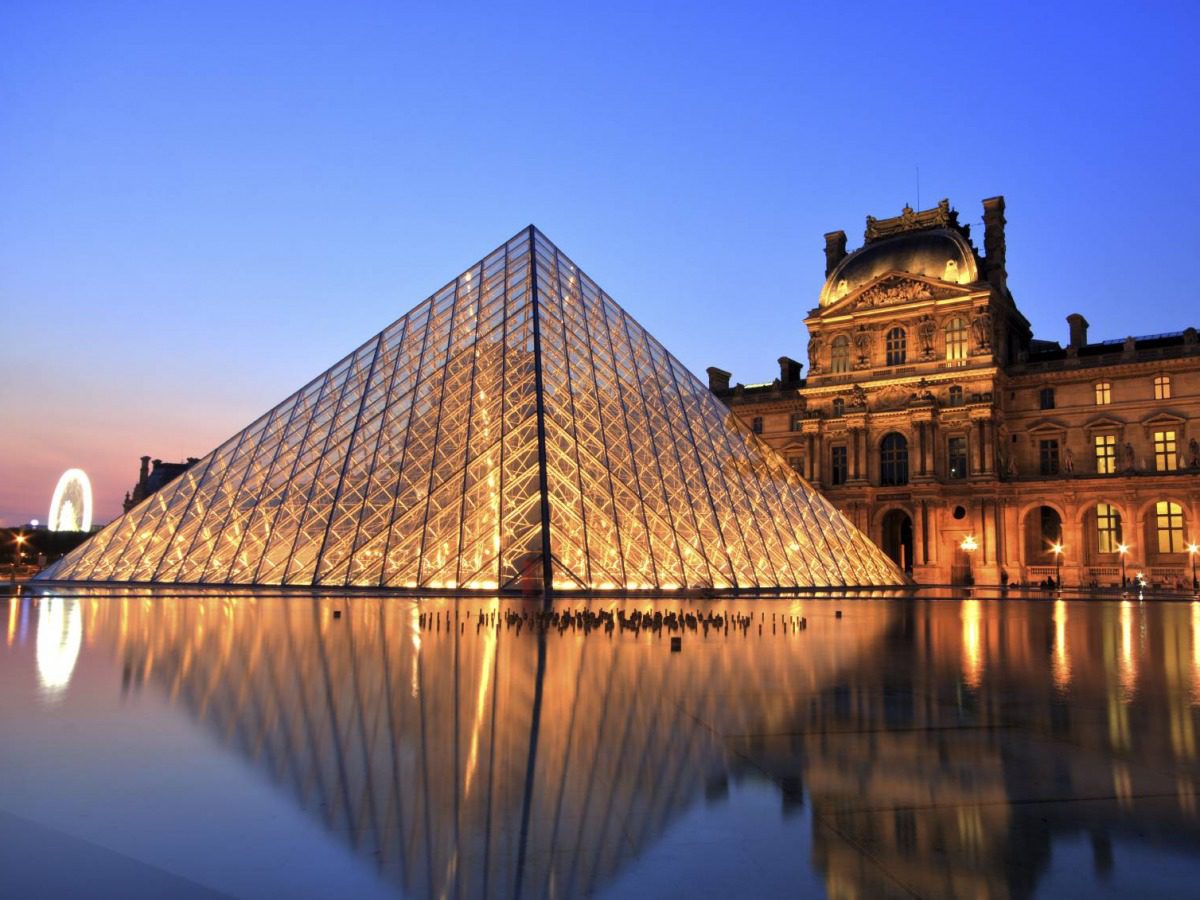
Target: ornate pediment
x=893, y=289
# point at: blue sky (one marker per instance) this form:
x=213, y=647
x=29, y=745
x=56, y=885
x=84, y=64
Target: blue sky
x=205, y=204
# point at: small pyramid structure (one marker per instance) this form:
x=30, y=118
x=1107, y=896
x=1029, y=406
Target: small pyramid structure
x=517, y=430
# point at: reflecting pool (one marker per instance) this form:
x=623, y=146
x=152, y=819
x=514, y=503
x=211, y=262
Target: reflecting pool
x=336, y=746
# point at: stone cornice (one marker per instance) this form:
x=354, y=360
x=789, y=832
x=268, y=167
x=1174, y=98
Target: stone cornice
x=943, y=377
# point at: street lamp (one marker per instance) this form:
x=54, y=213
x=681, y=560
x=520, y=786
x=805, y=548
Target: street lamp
x=1193, y=549
x=1057, y=549
x=1123, y=549
x=20, y=548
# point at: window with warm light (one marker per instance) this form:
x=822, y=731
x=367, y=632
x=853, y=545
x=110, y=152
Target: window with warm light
x=1048, y=456
x=839, y=355
x=896, y=347
x=1166, y=456
x=956, y=457
x=1103, y=393
x=1168, y=520
x=956, y=340
x=1108, y=528
x=1106, y=454
x=839, y=465
x=893, y=460
x=1162, y=387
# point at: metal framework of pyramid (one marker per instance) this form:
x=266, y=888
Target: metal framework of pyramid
x=517, y=430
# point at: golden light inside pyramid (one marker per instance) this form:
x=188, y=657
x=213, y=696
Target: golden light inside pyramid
x=517, y=430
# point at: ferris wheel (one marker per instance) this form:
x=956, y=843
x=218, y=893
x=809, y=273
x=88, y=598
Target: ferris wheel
x=71, y=507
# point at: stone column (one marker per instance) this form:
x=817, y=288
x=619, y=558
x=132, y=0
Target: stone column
x=930, y=440
x=989, y=447
x=980, y=442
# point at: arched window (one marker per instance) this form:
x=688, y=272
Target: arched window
x=956, y=340
x=897, y=347
x=893, y=460
x=839, y=355
x=1168, y=521
x=1108, y=528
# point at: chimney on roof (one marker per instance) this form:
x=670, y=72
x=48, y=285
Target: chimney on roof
x=1079, y=326
x=835, y=250
x=144, y=473
x=718, y=379
x=789, y=371
x=993, y=242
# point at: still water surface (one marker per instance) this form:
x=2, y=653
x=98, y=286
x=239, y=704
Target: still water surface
x=337, y=747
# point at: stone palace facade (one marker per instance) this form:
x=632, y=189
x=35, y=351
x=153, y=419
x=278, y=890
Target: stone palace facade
x=963, y=446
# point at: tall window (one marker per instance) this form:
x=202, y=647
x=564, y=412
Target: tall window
x=1162, y=387
x=1165, y=453
x=1169, y=521
x=897, y=347
x=756, y=425
x=796, y=422
x=956, y=395
x=1046, y=398
x=1103, y=393
x=1108, y=528
x=839, y=407
x=839, y=465
x=1048, y=455
x=956, y=340
x=797, y=463
x=1106, y=454
x=839, y=355
x=956, y=457
x=893, y=460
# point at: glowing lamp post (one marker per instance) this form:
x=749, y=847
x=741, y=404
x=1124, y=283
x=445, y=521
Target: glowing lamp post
x=20, y=548
x=1193, y=549
x=1123, y=549
x=969, y=546
x=1057, y=550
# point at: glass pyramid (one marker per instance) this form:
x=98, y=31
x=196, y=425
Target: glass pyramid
x=517, y=430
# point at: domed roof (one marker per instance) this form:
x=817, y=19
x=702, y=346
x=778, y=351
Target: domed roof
x=941, y=253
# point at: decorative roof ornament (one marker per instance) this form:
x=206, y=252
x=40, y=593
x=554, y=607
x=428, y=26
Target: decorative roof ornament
x=941, y=216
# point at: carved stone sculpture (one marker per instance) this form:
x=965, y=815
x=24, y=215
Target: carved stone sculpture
x=1069, y=461
x=926, y=329
x=815, y=346
x=889, y=292
x=1128, y=460
x=858, y=397
x=1193, y=459
x=982, y=326
x=862, y=344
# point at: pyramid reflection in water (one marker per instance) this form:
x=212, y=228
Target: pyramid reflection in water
x=516, y=430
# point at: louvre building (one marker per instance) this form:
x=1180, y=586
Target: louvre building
x=517, y=430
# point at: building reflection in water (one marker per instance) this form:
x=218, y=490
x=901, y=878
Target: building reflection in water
x=933, y=742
